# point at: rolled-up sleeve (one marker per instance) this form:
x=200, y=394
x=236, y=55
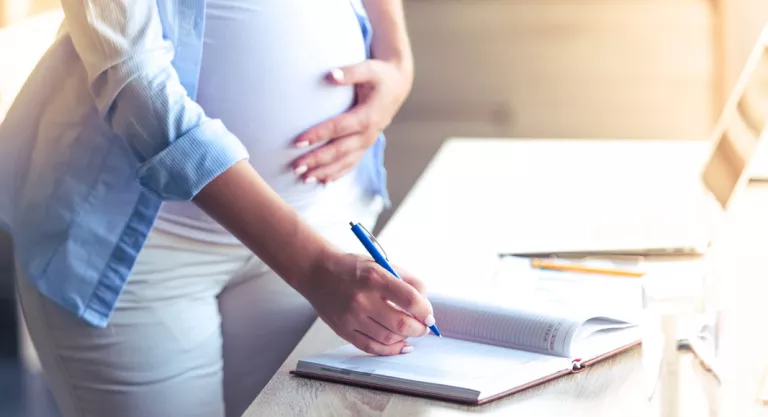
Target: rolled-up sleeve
x=139, y=95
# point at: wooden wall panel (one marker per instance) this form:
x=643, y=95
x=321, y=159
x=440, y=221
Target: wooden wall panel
x=564, y=68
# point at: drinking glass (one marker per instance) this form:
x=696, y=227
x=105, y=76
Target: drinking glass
x=671, y=300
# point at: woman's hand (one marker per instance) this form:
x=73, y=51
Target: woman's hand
x=381, y=88
x=350, y=293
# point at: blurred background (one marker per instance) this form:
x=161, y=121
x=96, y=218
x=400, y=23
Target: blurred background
x=632, y=69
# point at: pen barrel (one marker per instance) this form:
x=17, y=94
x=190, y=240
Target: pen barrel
x=373, y=250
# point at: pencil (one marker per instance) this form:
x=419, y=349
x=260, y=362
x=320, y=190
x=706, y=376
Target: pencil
x=556, y=266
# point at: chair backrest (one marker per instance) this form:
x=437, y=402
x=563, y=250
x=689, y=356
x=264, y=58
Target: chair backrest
x=741, y=126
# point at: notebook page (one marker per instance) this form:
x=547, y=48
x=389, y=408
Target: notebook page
x=498, y=325
x=604, y=340
x=443, y=364
x=597, y=324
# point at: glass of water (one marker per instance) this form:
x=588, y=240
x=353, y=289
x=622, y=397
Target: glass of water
x=672, y=299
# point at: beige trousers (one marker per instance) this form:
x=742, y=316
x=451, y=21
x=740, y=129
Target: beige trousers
x=199, y=330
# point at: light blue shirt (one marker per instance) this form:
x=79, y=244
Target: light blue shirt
x=104, y=130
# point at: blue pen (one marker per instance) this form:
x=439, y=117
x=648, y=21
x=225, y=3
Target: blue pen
x=362, y=235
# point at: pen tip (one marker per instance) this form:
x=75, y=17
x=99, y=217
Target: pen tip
x=352, y=224
x=440, y=336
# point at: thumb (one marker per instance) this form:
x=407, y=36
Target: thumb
x=354, y=74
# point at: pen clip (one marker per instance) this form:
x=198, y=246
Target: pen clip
x=375, y=242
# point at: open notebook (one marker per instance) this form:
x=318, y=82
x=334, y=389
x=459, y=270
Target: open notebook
x=488, y=351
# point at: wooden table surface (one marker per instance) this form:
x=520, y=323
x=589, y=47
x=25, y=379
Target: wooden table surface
x=611, y=388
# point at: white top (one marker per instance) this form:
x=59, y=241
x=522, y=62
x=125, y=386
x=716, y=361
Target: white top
x=263, y=74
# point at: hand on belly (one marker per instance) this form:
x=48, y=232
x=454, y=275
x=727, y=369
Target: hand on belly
x=381, y=89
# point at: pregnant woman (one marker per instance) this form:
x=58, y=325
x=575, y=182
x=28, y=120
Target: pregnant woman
x=178, y=178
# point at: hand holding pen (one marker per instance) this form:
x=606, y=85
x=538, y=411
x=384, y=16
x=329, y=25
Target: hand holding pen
x=378, y=255
x=356, y=298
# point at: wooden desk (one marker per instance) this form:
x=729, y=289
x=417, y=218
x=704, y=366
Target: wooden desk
x=458, y=214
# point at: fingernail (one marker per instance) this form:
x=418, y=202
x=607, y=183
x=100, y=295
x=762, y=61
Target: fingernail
x=407, y=349
x=430, y=321
x=310, y=180
x=300, y=169
x=302, y=144
x=430, y=306
x=337, y=75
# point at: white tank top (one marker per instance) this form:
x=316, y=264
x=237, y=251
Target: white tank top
x=263, y=74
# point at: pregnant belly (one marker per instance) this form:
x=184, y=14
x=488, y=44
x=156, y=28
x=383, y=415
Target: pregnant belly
x=263, y=74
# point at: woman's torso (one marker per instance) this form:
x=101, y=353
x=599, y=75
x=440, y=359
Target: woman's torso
x=263, y=73
x=72, y=190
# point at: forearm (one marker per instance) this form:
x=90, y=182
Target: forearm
x=244, y=204
x=390, y=37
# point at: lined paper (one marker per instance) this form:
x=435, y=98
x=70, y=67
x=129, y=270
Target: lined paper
x=506, y=327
